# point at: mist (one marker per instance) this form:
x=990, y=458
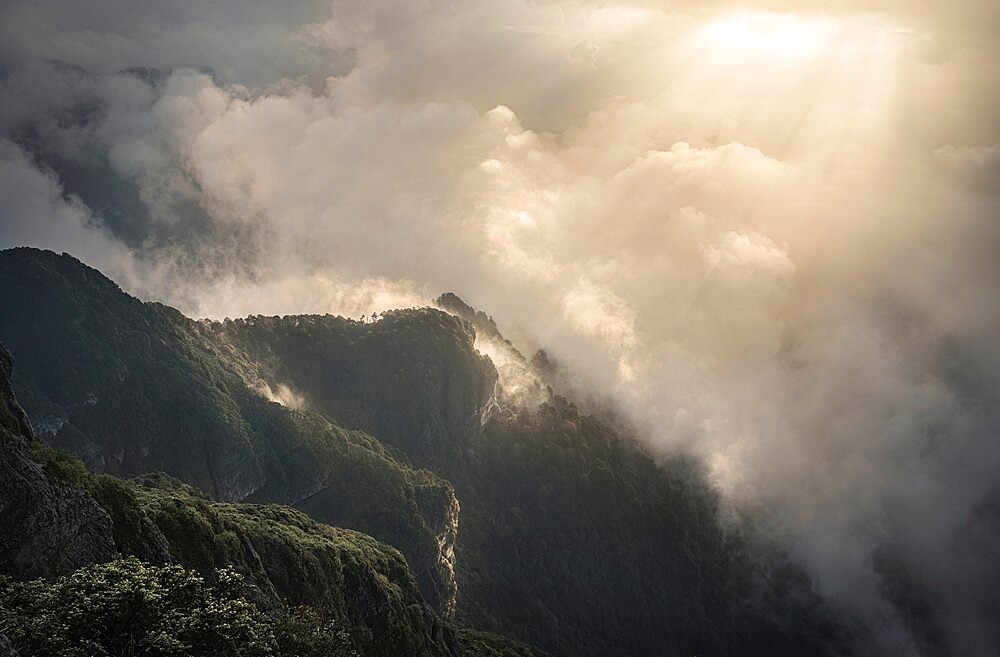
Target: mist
x=765, y=234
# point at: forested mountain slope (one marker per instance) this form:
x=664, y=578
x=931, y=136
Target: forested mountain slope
x=201, y=577
x=134, y=387
x=569, y=536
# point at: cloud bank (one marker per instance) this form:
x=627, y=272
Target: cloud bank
x=766, y=238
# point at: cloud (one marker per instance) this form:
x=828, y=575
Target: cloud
x=975, y=166
x=36, y=212
x=253, y=42
x=778, y=256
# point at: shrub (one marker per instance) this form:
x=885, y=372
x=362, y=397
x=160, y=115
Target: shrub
x=129, y=608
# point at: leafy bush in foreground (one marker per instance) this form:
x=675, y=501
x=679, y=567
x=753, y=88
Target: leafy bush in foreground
x=126, y=607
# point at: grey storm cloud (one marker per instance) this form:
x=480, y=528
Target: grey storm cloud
x=765, y=238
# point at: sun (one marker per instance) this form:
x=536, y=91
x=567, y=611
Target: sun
x=769, y=35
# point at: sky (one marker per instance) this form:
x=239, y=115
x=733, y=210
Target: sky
x=765, y=233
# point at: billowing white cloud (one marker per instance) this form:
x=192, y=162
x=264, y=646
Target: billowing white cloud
x=767, y=239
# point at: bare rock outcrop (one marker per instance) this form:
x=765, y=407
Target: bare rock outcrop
x=48, y=527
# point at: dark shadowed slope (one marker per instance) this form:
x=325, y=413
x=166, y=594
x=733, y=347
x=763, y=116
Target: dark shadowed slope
x=132, y=387
x=569, y=537
x=48, y=527
x=203, y=577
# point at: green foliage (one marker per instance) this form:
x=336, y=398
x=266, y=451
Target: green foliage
x=127, y=608
x=60, y=464
x=348, y=593
x=570, y=537
x=285, y=557
x=133, y=388
x=134, y=532
x=576, y=541
x=304, y=632
x=474, y=643
x=422, y=360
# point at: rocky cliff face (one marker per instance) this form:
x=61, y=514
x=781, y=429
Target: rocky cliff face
x=447, y=537
x=49, y=528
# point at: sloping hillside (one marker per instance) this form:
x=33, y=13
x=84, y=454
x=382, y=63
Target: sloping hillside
x=569, y=536
x=132, y=387
x=200, y=577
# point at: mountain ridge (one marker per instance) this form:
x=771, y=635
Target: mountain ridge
x=133, y=387
x=569, y=536
x=71, y=528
